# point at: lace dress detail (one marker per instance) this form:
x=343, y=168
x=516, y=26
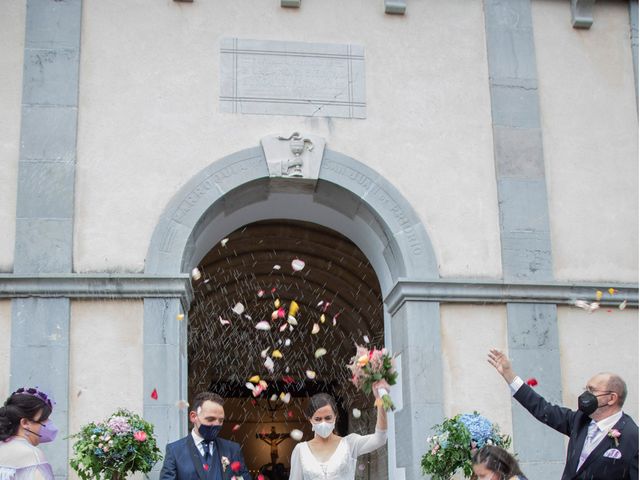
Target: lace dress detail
x=341, y=465
x=19, y=460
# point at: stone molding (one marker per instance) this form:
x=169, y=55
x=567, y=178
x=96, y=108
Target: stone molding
x=582, y=13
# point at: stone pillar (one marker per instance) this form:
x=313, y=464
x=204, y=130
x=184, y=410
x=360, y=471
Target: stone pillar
x=165, y=370
x=45, y=204
x=415, y=336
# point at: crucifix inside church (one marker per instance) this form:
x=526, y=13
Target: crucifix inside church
x=273, y=439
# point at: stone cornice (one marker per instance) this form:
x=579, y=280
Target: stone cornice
x=496, y=291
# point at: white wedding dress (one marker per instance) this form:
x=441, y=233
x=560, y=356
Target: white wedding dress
x=19, y=460
x=341, y=465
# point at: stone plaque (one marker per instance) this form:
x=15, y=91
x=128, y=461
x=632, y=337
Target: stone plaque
x=292, y=78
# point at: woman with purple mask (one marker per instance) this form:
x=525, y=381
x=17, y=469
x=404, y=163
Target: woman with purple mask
x=24, y=424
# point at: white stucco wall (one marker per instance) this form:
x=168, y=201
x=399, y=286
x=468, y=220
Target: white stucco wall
x=149, y=116
x=12, y=25
x=604, y=341
x=590, y=134
x=5, y=348
x=469, y=382
x=105, y=360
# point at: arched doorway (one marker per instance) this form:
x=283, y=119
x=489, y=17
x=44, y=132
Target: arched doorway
x=248, y=278
x=341, y=194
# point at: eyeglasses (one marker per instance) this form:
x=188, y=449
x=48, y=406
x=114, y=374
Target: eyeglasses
x=594, y=390
x=34, y=392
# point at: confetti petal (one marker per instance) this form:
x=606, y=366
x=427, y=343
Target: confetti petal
x=224, y=321
x=250, y=386
x=292, y=320
x=224, y=241
x=612, y=291
x=264, y=325
x=283, y=327
x=255, y=379
x=236, y=427
x=154, y=394
x=315, y=329
x=282, y=313
x=274, y=315
x=532, y=382
x=296, y=434
x=287, y=342
x=285, y=397
x=276, y=354
x=260, y=293
x=288, y=379
x=195, y=274
x=180, y=316
x=322, y=318
x=297, y=264
x=277, y=267
x=310, y=374
x=589, y=307
x=293, y=308
x=326, y=306
x=238, y=308
x=623, y=305
x=263, y=353
x=320, y=352
x=365, y=338
x=276, y=303
x=269, y=364
x=320, y=303
x=598, y=295
x=273, y=398
x=356, y=413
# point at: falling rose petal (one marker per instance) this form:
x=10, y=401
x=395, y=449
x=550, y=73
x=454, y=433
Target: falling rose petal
x=274, y=315
x=356, y=413
x=315, y=329
x=287, y=369
x=250, y=386
x=263, y=353
x=322, y=318
x=224, y=321
x=277, y=267
x=273, y=290
x=236, y=427
x=273, y=398
x=263, y=326
x=279, y=341
x=281, y=312
x=335, y=320
x=238, y=308
x=365, y=338
x=296, y=434
x=283, y=327
x=292, y=320
x=154, y=394
x=612, y=291
x=195, y=274
x=310, y=374
x=623, y=305
x=224, y=241
x=263, y=384
x=180, y=316
x=326, y=306
x=260, y=477
x=320, y=352
x=285, y=397
x=276, y=354
x=288, y=379
x=320, y=303
x=532, y=382
x=293, y=308
x=255, y=379
x=297, y=264
x=589, y=307
x=260, y=293
x=291, y=328
x=182, y=404
x=269, y=364
x=248, y=317
x=287, y=342
x=598, y=295
x=276, y=303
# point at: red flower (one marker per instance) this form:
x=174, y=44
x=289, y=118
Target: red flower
x=140, y=436
x=260, y=476
x=235, y=466
x=154, y=394
x=206, y=467
x=532, y=382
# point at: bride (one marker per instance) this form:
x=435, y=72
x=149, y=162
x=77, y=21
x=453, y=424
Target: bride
x=328, y=456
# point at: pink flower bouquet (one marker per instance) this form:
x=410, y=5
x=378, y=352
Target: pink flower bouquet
x=371, y=366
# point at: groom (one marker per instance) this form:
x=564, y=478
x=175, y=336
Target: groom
x=603, y=440
x=202, y=455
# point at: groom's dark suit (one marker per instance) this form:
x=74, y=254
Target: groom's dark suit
x=183, y=461
x=601, y=464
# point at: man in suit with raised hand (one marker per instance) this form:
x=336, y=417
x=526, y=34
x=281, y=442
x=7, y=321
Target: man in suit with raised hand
x=603, y=440
x=202, y=455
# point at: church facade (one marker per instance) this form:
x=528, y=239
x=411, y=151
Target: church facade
x=482, y=156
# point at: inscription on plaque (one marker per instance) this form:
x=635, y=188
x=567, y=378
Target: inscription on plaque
x=292, y=78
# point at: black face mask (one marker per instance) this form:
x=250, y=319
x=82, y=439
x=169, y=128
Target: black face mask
x=588, y=402
x=209, y=432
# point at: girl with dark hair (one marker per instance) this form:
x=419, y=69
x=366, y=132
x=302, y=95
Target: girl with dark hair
x=24, y=424
x=328, y=456
x=495, y=463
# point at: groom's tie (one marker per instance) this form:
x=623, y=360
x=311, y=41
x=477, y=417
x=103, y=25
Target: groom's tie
x=587, y=448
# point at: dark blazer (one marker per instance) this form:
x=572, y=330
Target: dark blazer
x=574, y=424
x=183, y=461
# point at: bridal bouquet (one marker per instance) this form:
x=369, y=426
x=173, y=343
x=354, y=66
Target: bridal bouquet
x=456, y=441
x=115, y=447
x=370, y=366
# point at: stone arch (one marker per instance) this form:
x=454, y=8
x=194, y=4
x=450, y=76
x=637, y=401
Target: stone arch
x=344, y=195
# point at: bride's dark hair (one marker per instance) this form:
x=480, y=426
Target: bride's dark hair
x=17, y=407
x=318, y=401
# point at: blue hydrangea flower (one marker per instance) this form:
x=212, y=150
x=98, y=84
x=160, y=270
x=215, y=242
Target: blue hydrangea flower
x=480, y=428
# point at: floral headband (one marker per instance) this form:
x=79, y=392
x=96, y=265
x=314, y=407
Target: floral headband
x=34, y=392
